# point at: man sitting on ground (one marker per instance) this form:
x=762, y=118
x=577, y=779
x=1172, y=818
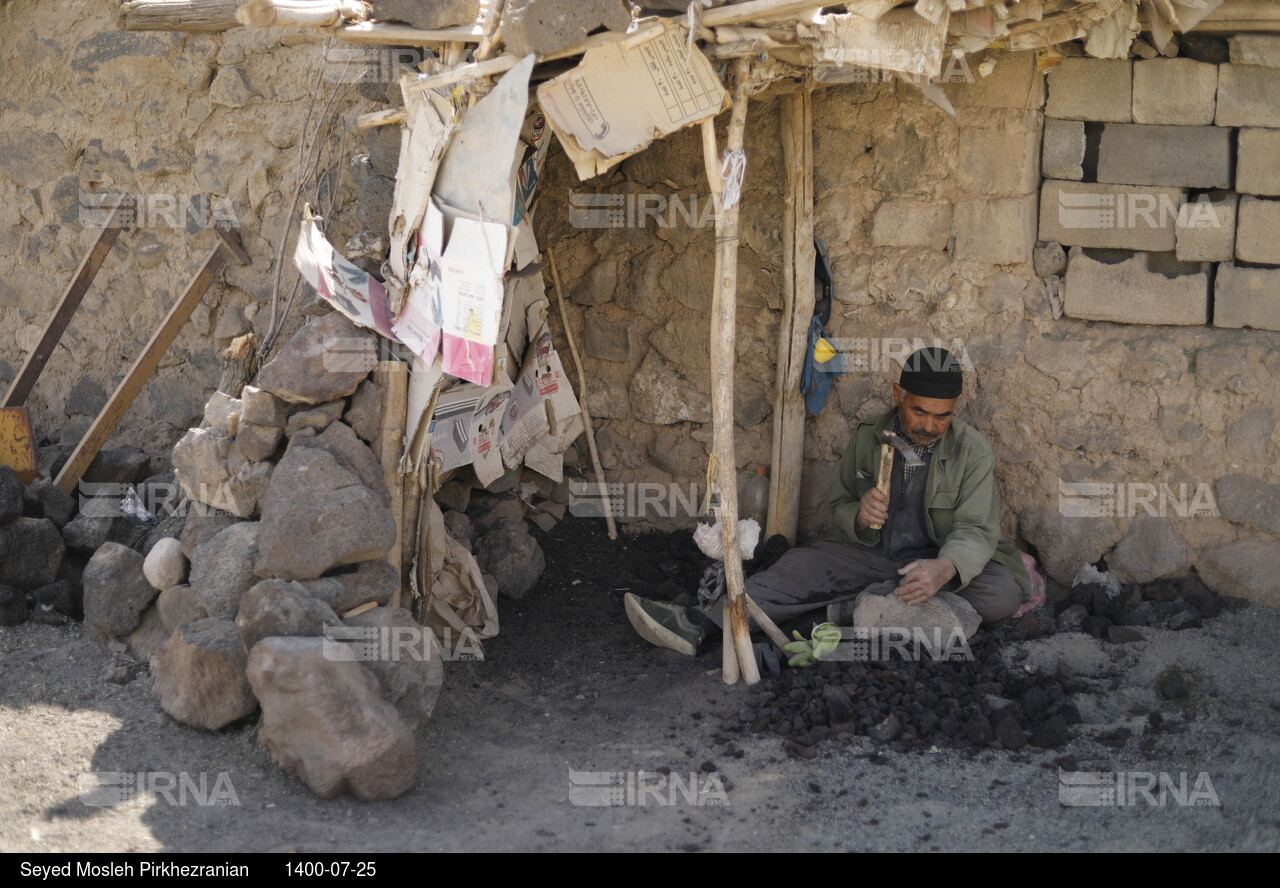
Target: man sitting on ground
x=939, y=527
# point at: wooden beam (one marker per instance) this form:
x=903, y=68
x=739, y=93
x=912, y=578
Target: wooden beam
x=797, y=310
x=737, y=637
x=384, y=34
x=143, y=366
x=67, y=305
x=393, y=378
x=178, y=15
x=301, y=13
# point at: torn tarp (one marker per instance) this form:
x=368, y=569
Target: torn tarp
x=348, y=288
x=620, y=98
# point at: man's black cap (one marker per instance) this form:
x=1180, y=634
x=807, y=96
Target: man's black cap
x=932, y=373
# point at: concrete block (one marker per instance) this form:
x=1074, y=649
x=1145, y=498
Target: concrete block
x=1186, y=156
x=1122, y=217
x=911, y=223
x=1000, y=159
x=1063, y=154
x=1174, y=91
x=1247, y=297
x=1257, y=230
x=1255, y=49
x=1248, y=95
x=1091, y=89
x=1258, y=161
x=1207, y=228
x=1013, y=81
x=1130, y=293
x=1000, y=232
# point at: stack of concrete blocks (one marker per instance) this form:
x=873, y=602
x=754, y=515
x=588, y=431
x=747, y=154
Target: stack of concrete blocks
x=1168, y=170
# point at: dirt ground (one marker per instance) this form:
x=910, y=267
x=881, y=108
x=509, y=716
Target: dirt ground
x=568, y=687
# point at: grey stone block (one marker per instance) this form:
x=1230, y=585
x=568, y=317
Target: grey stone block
x=1256, y=231
x=1207, y=228
x=1258, y=161
x=1186, y=156
x=1248, y=95
x=1174, y=91
x=612, y=340
x=1255, y=49
x=1130, y=293
x=1247, y=297
x=1122, y=217
x=1091, y=89
x=1062, y=155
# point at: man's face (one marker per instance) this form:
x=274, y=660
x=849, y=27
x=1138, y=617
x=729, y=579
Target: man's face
x=923, y=420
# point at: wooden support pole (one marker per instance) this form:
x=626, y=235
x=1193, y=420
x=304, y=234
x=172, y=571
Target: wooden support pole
x=797, y=310
x=301, y=13
x=67, y=305
x=723, y=352
x=393, y=378
x=387, y=34
x=178, y=15
x=588, y=427
x=145, y=364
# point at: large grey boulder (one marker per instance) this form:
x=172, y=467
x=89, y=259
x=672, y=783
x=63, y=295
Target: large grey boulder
x=1248, y=569
x=1249, y=500
x=1151, y=548
x=327, y=359
x=222, y=569
x=280, y=608
x=428, y=16
x=11, y=495
x=546, y=26
x=317, y=515
x=341, y=442
x=514, y=559
x=213, y=472
x=200, y=675
x=372, y=581
x=412, y=672
x=203, y=524
x=116, y=591
x=325, y=722
x=1066, y=543
x=31, y=551
x=180, y=605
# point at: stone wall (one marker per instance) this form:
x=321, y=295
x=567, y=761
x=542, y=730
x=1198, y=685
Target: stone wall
x=205, y=121
x=931, y=223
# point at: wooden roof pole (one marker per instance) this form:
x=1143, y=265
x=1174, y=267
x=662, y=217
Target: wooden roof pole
x=739, y=657
x=797, y=309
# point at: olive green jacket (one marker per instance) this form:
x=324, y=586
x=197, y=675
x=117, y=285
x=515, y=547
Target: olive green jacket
x=962, y=508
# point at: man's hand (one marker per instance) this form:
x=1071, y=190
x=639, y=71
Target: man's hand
x=922, y=579
x=873, y=510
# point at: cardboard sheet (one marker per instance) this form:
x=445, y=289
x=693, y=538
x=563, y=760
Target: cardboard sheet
x=349, y=289
x=619, y=98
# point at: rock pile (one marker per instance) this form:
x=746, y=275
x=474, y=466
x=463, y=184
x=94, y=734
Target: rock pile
x=272, y=593
x=47, y=535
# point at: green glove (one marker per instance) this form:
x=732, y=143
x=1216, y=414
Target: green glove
x=822, y=644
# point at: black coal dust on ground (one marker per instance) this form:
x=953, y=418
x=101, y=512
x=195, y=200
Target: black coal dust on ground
x=986, y=701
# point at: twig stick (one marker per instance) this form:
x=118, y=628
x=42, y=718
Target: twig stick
x=588, y=428
x=765, y=622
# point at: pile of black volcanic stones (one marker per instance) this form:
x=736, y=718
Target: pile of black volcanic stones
x=917, y=704
x=1175, y=604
